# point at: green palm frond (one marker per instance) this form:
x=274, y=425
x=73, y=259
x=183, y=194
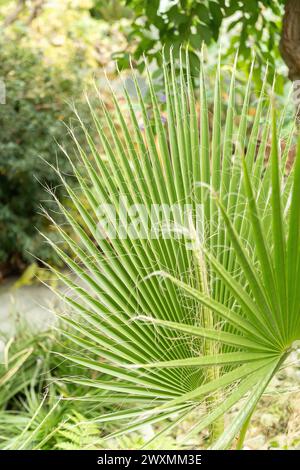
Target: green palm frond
x=198, y=320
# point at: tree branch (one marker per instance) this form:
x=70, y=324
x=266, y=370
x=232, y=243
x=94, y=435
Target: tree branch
x=290, y=38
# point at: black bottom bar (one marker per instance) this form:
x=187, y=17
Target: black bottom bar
x=130, y=459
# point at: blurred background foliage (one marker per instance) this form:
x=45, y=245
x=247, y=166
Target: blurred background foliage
x=52, y=50
x=249, y=25
x=48, y=58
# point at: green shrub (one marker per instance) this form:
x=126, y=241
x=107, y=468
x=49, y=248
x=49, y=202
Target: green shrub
x=37, y=105
x=35, y=412
x=250, y=27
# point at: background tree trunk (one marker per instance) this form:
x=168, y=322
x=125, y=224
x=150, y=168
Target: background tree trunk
x=290, y=38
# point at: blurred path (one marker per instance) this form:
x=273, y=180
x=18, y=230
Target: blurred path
x=32, y=305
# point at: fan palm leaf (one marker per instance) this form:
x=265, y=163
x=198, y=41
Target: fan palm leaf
x=185, y=317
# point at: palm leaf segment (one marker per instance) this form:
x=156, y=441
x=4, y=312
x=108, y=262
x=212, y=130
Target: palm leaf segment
x=205, y=317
